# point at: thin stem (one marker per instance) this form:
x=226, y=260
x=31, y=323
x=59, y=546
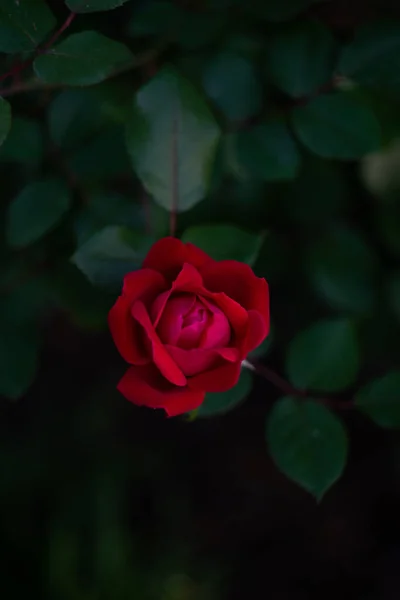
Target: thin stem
x=288, y=389
x=175, y=188
x=21, y=66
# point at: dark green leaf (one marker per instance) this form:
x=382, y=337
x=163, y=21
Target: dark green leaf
x=35, y=211
x=266, y=151
x=325, y=357
x=88, y=6
x=24, y=24
x=233, y=83
x=225, y=242
x=110, y=254
x=172, y=139
x=301, y=58
x=220, y=403
x=72, y=117
x=380, y=400
x=308, y=444
x=373, y=57
x=337, y=126
x=342, y=268
x=83, y=58
x=24, y=143
x=5, y=119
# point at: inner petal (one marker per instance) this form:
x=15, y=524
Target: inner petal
x=218, y=332
x=194, y=324
x=171, y=320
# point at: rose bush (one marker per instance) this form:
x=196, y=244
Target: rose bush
x=185, y=322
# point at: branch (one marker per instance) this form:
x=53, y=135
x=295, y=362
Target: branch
x=288, y=389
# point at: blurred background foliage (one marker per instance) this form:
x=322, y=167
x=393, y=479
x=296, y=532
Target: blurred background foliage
x=273, y=128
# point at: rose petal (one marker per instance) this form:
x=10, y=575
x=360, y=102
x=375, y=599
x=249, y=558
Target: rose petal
x=169, y=254
x=188, y=279
x=257, y=331
x=236, y=314
x=170, y=324
x=218, y=332
x=126, y=334
x=161, y=358
x=145, y=387
x=143, y=284
x=220, y=379
x=196, y=361
x=238, y=281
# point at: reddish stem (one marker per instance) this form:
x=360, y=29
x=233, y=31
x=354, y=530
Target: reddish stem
x=290, y=390
x=18, y=67
x=175, y=184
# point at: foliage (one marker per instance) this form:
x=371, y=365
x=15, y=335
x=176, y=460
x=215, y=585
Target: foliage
x=269, y=130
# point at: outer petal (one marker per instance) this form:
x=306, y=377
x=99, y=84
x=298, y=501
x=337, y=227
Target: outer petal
x=257, y=331
x=197, y=361
x=236, y=314
x=145, y=387
x=220, y=379
x=161, y=357
x=143, y=284
x=126, y=335
x=238, y=281
x=169, y=254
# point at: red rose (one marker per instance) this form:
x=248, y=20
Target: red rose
x=185, y=323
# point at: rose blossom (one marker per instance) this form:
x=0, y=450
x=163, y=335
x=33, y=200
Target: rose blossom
x=185, y=322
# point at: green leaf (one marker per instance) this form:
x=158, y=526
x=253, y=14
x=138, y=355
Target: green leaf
x=24, y=143
x=223, y=402
x=225, y=242
x=73, y=116
x=172, y=139
x=88, y=6
x=35, y=211
x=324, y=357
x=266, y=151
x=110, y=254
x=24, y=24
x=373, y=57
x=232, y=82
x=5, y=119
x=301, y=58
x=342, y=268
x=18, y=362
x=337, y=126
x=83, y=58
x=308, y=444
x=380, y=400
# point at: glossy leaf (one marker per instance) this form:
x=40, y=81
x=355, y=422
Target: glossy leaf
x=301, y=58
x=342, y=269
x=308, y=444
x=220, y=403
x=337, y=126
x=324, y=357
x=372, y=58
x=380, y=400
x=83, y=58
x=88, y=6
x=24, y=143
x=225, y=242
x=35, y=211
x=172, y=139
x=233, y=83
x=266, y=151
x=24, y=24
x=110, y=254
x=5, y=119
